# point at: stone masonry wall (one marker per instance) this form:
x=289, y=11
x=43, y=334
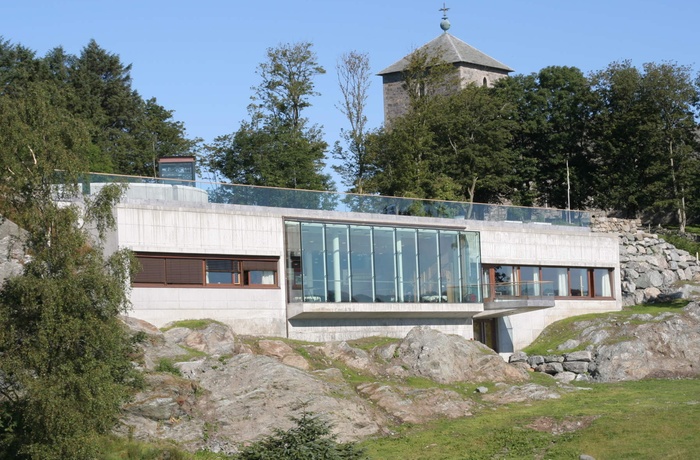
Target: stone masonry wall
x=650, y=268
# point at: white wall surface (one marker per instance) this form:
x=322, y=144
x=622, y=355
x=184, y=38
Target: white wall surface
x=204, y=228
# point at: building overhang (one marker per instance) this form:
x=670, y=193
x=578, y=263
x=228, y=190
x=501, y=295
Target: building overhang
x=338, y=310
x=507, y=307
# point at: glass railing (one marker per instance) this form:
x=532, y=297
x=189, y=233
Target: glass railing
x=250, y=195
x=499, y=292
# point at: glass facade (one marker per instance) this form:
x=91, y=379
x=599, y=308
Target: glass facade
x=332, y=262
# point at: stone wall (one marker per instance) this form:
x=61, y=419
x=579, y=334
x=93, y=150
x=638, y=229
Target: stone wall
x=650, y=268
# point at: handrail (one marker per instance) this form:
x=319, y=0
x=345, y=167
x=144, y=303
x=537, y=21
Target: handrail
x=251, y=195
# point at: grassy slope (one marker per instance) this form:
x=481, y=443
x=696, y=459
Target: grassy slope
x=648, y=419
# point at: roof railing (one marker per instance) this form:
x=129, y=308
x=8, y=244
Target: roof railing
x=250, y=195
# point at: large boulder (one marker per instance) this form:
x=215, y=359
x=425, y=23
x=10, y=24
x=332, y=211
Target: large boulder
x=449, y=358
x=663, y=348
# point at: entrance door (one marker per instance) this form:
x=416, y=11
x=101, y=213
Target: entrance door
x=485, y=331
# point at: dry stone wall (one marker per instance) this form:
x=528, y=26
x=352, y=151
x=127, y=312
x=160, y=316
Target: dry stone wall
x=650, y=268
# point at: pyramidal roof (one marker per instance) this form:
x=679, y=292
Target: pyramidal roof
x=453, y=51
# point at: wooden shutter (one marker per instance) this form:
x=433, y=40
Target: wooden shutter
x=152, y=271
x=262, y=265
x=184, y=271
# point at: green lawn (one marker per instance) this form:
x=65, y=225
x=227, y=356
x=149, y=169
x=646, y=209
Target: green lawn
x=653, y=419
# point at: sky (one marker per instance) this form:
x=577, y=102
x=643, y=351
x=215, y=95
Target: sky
x=199, y=58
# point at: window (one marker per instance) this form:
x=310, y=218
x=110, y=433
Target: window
x=214, y=271
x=337, y=262
x=223, y=271
x=547, y=281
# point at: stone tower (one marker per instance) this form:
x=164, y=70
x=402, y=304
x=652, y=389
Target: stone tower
x=472, y=66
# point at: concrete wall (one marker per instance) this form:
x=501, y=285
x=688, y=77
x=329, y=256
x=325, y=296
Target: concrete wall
x=323, y=330
x=536, y=244
x=204, y=228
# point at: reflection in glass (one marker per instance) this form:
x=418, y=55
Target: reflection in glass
x=428, y=266
x=361, y=263
x=450, y=267
x=407, y=264
x=555, y=282
x=337, y=263
x=530, y=281
x=313, y=262
x=579, y=282
x=293, y=261
x=506, y=278
x=601, y=279
x=384, y=264
x=361, y=271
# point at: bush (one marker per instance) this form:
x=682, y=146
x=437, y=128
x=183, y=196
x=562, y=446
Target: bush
x=310, y=438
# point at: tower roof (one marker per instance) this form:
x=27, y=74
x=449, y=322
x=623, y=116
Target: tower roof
x=453, y=51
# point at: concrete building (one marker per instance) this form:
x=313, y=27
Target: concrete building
x=327, y=266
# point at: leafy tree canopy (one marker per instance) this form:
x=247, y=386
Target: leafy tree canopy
x=277, y=147
x=126, y=133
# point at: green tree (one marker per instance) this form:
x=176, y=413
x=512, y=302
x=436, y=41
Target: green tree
x=648, y=140
x=309, y=438
x=555, y=109
x=64, y=357
x=448, y=146
x=277, y=147
x=354, y=79
x=403, y=154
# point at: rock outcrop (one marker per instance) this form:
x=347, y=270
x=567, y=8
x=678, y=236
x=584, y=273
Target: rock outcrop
x=637, y=347
x=231, y=390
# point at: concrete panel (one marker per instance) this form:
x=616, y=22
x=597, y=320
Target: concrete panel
x=323, y=330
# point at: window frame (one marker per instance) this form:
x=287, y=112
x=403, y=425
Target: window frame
x=490, y=281
x=240, y=276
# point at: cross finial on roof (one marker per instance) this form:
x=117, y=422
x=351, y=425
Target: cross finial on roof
x=444, y=10
x=444, y=24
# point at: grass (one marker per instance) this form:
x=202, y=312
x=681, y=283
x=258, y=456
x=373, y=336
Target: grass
x=194, y=324
x=115, y=448
x=563, y=330
x=647, y=419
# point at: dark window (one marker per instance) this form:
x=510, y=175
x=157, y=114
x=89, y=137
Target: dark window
x=220, y=271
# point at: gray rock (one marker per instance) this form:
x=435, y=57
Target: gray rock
x=450, y=358
x=565, y=377
x=550, y=368
x=569, y=344
x=535, y=361
x=584, y=355
x=482, y=390
x=578, y=367
x=518, y=357
x=554, y=359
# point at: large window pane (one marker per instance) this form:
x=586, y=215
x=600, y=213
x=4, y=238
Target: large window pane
x=450, y=270
x=579, y=282
x=337, y=263
x=294, y=272
x=555, y=282
x=313, y=262
x=506, y=280
x=428, y=266
x=407, y=265
x=361, y=274
x=601, y=279
x=471, y=266
x=384, y=264
x=530, y=281
x=219, y=271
